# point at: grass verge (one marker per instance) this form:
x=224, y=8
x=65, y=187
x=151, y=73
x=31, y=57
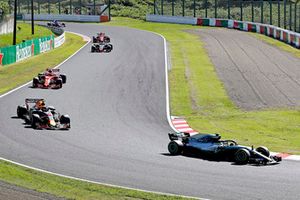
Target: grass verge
x=197, y=94
x=24, y=33
x=69, y=188
x=17, y=74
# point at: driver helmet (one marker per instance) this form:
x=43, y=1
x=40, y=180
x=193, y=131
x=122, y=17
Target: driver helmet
x=49, y=71
x=40, y=104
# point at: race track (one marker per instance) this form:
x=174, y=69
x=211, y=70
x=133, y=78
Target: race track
x=256, y=75
x=117, y=105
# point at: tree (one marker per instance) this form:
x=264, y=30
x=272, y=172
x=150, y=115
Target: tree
x=4, y=7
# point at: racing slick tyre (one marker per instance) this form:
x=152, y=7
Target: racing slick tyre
x=59, y=83
x=106, y=39
x=242, y=156
x=21, y=111
x=35, y=82
x=35, y=121
x=108, y=48
x=263, y=150
x=65, y=119
x=93, y=49
x=63, y=78
x=94, y=40
x=174, y=148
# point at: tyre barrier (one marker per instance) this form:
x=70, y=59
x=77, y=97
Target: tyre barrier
x=289, y=37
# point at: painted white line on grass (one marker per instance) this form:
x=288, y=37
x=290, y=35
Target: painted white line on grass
x=96, y=182
x=166, y=79
x=167, y=85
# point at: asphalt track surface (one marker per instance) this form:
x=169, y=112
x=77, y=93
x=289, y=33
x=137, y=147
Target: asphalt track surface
x=256, y=75
x=117, y=106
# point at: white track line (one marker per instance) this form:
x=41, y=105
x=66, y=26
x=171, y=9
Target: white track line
x=83, y=36
x=96, y=182
x=167, y=84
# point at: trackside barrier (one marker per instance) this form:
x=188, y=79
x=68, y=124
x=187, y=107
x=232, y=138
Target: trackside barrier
x=58, y=41
x=287, y=36
x=64, y=17
x=172, y=19
x=7, y=25
x=19, y=52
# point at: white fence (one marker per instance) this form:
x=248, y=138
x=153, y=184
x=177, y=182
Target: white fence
x=7, y=26
x=64, y=17
x=58, y=41
x=287, y=36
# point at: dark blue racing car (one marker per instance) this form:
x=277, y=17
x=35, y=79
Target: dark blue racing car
x=212, y=147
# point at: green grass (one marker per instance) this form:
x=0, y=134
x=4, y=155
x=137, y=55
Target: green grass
x=69, y=188
x=197, y=94
x=19, y=73
x=24, y=33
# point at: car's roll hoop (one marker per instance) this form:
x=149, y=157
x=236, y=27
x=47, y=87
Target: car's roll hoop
x=30, y=100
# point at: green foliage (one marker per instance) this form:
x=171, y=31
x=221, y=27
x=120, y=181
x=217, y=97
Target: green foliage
x=24, y=33
x=197, y=94
x=267, y=12
x=19, y=73
x=278, y=129
x=71, y=189
x=5, y=8
x=131, y=8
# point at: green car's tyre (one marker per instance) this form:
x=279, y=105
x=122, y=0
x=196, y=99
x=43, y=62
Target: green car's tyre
x=174, y=148
x=242, y=156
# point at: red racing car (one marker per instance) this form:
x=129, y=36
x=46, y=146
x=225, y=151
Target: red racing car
x=51, y=78
x=101, y=38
